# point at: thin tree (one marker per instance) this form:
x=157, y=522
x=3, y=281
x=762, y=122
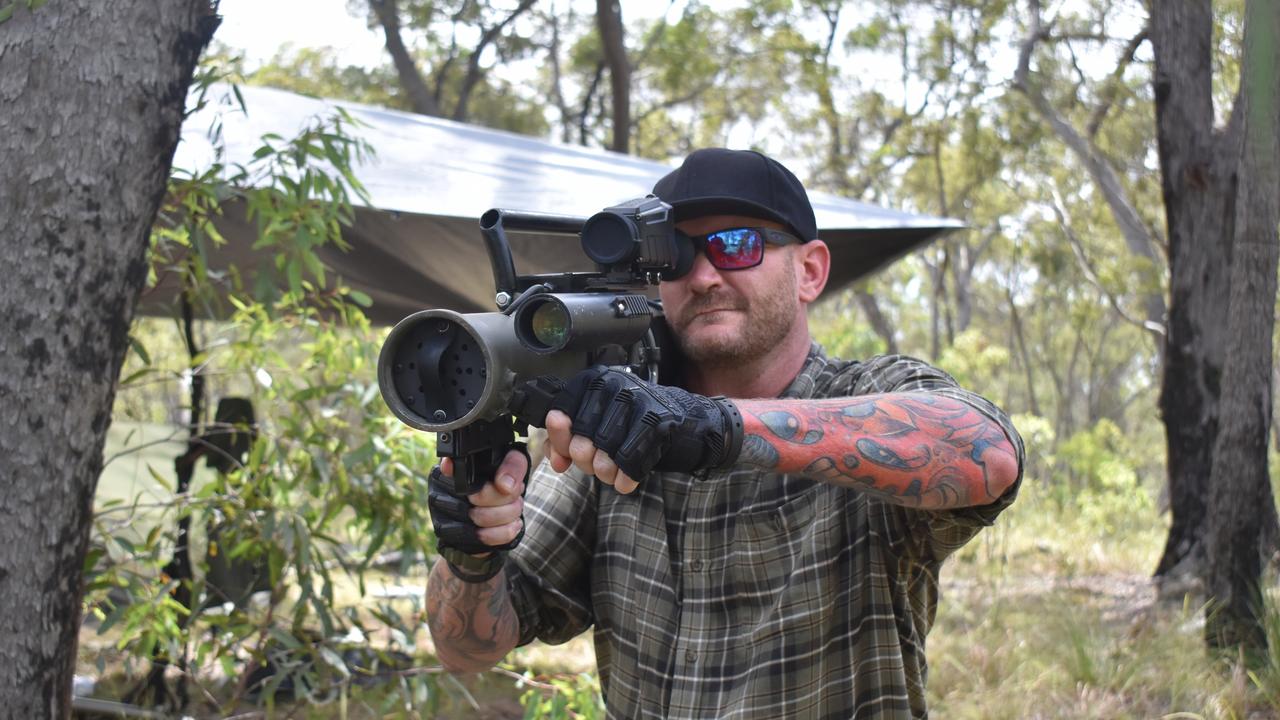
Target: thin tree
x=609, y=23
x=423, y=97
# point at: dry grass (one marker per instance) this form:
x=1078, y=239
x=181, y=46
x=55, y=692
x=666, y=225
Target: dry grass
x=1052, y=614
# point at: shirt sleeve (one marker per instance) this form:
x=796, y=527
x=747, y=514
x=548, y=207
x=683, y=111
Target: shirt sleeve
x=548, y=573
x=934, y=534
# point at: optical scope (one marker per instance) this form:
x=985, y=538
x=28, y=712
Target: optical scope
x=441, y=370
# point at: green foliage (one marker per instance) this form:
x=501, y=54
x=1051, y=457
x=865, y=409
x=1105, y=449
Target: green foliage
x=6, y=10
x=572, y=698
x=835, y=326
x=975, y=362
x=1092, y=454
x=1103, y=471
x=1265, y=675
x=446, y=36
x=331, y=483
x=902, y=102
x=1038, y=436
x=319, y=72
x=1094, y=473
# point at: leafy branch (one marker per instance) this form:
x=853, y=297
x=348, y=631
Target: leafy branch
x=6, y=11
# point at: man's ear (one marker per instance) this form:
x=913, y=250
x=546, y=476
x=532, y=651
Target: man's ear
x=813, y=265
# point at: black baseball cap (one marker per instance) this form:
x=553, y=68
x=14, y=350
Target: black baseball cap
x=718, y=181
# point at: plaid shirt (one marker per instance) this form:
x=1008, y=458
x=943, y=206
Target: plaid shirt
x=749, y=594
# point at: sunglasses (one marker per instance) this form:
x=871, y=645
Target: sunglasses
x=739, y=248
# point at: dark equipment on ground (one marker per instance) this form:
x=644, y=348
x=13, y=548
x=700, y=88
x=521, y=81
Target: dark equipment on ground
x=464, y=376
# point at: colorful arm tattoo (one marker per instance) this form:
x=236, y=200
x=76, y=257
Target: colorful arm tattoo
x=913, y=448
x=473, y=625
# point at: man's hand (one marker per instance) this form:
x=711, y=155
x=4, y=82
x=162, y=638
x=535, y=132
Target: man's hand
x=617, y=427
x=471, y=618
x=564, y=449
x=484, y=521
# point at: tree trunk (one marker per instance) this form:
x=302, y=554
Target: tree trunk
x=1239, y=484
x=474, y=71
x=588, y=97
x=609, y=21
x=421, y=98
x=1275, y=426
x=1023, y=354
x=961, y=283
x=557, y=94
x=1198, y=168
x=91, y=101
x=879, y=323
x=937, y=274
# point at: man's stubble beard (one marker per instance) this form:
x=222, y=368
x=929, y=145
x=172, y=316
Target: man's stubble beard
x=768, y=320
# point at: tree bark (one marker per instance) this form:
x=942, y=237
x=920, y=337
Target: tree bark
x=1198, y=166
x=935, y=312
x=88, y=127
x=961, y=283
x=1275, y=426
x=421, y=98
x=836, y=171
x=1239, y=484
x=609, y=21
x=588, y=96
x=557, y=94
x=1023, y=354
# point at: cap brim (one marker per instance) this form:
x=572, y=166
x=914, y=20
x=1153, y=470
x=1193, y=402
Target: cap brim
x=703, y=206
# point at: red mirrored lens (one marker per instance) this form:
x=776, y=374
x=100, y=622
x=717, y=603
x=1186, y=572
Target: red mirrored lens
x=735, y=249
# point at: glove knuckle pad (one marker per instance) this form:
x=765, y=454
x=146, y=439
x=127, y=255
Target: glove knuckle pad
x=614, y=423
x=642, y=426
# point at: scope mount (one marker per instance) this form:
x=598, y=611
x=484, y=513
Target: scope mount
x=496, y=223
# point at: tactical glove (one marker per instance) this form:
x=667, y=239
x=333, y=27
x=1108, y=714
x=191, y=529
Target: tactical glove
x=640, y=425
x=456, y=537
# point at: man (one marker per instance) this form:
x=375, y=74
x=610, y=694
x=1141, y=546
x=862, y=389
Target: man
x=772, y=554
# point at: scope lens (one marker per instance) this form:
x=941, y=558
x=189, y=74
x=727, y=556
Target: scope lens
x=550, y=324
x=609, y=238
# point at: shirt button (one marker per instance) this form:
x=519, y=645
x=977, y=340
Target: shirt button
x=690, y=656
x=696, y=565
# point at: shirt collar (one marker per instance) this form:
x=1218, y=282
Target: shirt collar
x=805, y=382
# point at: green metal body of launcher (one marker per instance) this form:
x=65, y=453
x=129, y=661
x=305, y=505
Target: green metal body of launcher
x=470, y=376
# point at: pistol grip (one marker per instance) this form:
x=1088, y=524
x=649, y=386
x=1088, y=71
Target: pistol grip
x=477, y=451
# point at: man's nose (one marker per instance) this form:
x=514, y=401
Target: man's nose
x=703, y=276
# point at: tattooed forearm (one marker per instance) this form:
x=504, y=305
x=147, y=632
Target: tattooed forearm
x=758, y=451
x=473, y=625
x=915, y=449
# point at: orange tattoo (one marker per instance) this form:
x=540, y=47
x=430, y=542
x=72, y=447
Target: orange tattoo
x=913, y=448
